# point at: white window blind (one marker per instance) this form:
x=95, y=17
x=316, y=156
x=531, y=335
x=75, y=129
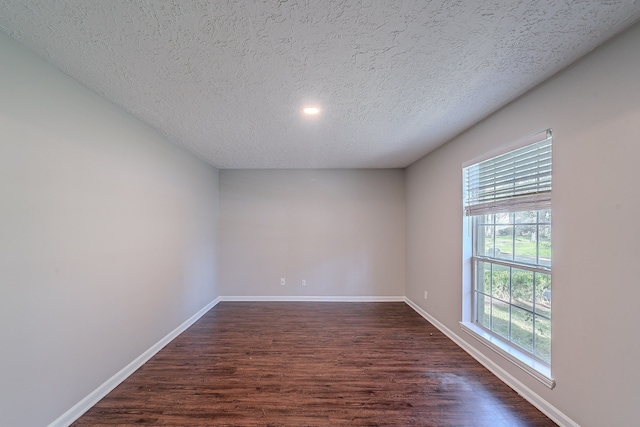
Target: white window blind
x=518, y=180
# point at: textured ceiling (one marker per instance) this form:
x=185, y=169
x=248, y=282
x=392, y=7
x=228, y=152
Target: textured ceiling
x=395, y=79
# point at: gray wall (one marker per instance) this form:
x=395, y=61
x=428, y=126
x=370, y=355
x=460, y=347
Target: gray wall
x=340, y=230
x=107, y=239
x=594, y=110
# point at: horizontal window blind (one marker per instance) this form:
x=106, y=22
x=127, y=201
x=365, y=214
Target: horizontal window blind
x=518, y=180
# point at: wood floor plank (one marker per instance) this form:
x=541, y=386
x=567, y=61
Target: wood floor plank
x=312, y=364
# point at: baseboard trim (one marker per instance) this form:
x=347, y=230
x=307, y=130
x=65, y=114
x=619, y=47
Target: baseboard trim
x=312, y=299
x=92, y=398
x=545, y=407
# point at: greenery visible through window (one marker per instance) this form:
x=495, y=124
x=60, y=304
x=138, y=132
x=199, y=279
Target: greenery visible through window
x=512, y=256
x=507, y=202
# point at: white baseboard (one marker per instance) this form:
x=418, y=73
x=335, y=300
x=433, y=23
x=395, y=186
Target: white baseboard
x=312, y=299
x=545, y=407
x=85, y=404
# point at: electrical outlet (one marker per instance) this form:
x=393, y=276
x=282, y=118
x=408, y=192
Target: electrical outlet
x=425, y=294
x=304, y=282
x=282, y=281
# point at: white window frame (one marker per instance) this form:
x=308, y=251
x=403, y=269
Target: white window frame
x=528, y=363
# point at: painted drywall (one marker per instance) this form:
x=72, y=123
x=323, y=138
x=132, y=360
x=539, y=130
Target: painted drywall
x=340, y=230
x=594, y=110
x=107, y=239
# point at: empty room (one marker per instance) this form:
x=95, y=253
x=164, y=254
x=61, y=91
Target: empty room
x=319, y=213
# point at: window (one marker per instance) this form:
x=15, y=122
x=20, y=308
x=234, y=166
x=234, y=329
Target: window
x=508, y=220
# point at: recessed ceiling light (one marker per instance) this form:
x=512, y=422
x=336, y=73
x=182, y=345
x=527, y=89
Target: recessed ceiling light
x=311, y=111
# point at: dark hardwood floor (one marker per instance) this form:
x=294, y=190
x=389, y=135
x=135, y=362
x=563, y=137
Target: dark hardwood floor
x=313, y=364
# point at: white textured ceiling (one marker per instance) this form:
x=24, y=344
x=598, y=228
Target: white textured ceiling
x=227, y=79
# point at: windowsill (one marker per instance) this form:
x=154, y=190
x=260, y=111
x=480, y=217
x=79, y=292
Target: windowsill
x=528, y=364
